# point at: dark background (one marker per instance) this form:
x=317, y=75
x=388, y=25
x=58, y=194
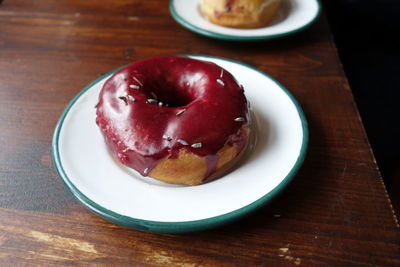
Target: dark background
x=366, y=34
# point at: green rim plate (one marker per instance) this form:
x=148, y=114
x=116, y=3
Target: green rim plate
x=238, y=37
x=175, y=227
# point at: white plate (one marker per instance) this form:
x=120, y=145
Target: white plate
x=293, y=16
x=126, y=198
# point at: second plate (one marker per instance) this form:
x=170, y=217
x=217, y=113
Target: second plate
x=293, y=16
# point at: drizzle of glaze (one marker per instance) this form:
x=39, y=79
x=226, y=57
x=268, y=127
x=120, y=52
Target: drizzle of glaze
x=211, y=163
x=140, y=135
x=228, y=5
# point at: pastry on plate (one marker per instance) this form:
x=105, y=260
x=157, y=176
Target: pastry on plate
x=240, y=13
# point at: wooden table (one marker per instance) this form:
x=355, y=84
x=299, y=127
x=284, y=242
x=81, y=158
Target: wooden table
x=336, y=211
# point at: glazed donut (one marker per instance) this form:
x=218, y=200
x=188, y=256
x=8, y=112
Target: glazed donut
x=240, y=13
x=175, y=119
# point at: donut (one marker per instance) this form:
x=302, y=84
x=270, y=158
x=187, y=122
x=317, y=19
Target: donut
x=175, y=119
x=240, y=13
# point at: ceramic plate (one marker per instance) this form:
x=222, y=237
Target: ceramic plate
x=293, y=16
x=121, y=195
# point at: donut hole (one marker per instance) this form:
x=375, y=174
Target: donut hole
x=170, y=95
x=171, y=98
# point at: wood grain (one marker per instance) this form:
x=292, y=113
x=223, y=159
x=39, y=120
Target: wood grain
x=336, y=211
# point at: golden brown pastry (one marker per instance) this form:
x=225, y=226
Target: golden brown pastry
x=240, y=13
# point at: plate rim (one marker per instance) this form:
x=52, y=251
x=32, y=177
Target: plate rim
x=232, y=37
x=178, y=226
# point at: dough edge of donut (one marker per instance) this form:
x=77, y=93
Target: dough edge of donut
x=190, y=169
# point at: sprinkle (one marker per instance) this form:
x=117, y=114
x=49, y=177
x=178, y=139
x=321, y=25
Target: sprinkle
x=289, y=258
x=151, y=101
x=222, y=73
x=146, y=171
x=220, y=82
x=180, y=112
x=134, y=86
x=137, y=80
x=196, y=145
x=239, y=119
x=166, y=137
x=131, y=98
x=154, y=95
x=123, y=98
x=125, y=150
x=160, y=104
x=183, y=142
